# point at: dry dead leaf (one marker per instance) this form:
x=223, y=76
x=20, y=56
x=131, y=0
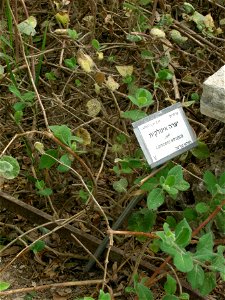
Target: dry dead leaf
x=108, y=19
x=61, y=31
x=85, y=61
x=63, y=18
x=97, y=88
x=85, y=135
x=112, y=84
x=93, y=107
x=158, y=33
x=99, y=78
x=208, y=21
x=125, y=70
x=100, y=55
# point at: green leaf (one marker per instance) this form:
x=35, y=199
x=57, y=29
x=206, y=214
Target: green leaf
x=171, y=221
x=78, y=82
x=196, y=276
x=183, y=186
x=19, y=106
x=183, y=233
x=201, y=151
x=46, y=162
x=77, y=139
x=219, y=220
x=145, y=2
x=170, y=297
x=165, y=74
x=129, y=289
x=18, y=115
x=45, y=192
x=95, y=44
x=63, y=133
x=42, y=190
x=155, y=198
x=189, y=9
x=7, y=42
x=177, y=37
x=177, y=173
x=65, y=159
x=183, y=261
x=180, y=183
x=104, y=296
x=220, y=190
x=142, y=98
x=202, y=207
x=9, y=167
x=133, y=38
x=4, y=285
x=164, y=62
x=27, y=27
x=199, y=20
x=210, y=181
x=170, y=180
x=13, y=89
x=121, y=185
x=150, y=184
x=195, y=97
x=70, y=63
x=221, y=181
x=121, y=138
x=166, y=246
x=209, y=283
x=184, y=296
x=50, y=76
x=37, y=246
x=28, y=96
x=218, y=262
x=72, y=34
x=170, y=285
x=143, y=292
x=173, y=192
x=190, y=214
x=134, y=115
x=40, y=184
x=204, y=250
x=84, y=195
x=142, y=220
x=146, y=54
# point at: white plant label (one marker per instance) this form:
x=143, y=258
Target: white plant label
x=164, y=135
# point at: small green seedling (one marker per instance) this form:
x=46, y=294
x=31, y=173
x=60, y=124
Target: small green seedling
x=42, y=189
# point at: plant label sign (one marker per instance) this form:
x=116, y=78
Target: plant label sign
x=165, y=134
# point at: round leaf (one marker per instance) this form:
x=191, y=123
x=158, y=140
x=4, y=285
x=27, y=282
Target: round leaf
x=93, y=107
x=201, y=151
x=9, y=167
x=165, y=74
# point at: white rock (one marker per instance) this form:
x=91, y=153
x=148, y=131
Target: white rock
x=212, y=102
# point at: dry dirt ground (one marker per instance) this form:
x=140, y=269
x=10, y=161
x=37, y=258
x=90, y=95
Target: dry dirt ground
x=66, y=88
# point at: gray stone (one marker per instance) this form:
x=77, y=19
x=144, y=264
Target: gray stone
x=212, y=102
